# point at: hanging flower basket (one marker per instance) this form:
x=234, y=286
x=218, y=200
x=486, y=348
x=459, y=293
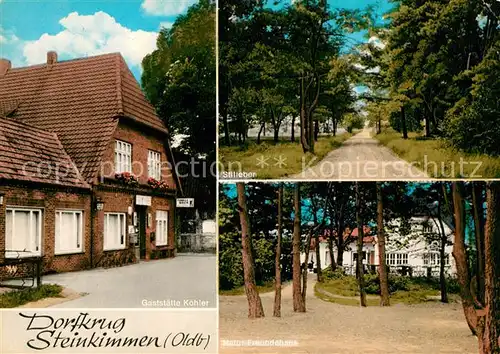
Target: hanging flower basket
x=127, y=178
x=155, y=184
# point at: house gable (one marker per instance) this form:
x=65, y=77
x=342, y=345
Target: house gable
x=81, y=101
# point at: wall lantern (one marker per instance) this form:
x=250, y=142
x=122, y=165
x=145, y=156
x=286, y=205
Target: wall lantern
x=1, y=199
x=99, y=204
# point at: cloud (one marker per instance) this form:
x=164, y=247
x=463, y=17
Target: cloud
x=166, y=7
x=85, y=35
x=7, y=37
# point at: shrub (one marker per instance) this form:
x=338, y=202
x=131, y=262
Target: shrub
x=329, y=274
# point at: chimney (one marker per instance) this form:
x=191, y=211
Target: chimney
x=5, y=65
x=51, y=57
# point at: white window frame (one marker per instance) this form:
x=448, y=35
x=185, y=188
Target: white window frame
x=36, y=242
x=79, y=232
x=123, y=157
x=162, y=228
x=434, y=259
x=154, y=165
x=397, y=259
x=121, y=243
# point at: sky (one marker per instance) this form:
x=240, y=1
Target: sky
x=74, y=29
x=79, y=28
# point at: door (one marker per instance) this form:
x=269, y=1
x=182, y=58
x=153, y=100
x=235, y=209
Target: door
x=141, y=221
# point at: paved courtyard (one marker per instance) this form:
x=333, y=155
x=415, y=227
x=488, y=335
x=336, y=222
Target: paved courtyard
x=185, y=277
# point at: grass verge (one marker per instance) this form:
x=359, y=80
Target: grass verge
x=264, y=288
x=344, y=291
x=246, y=158
x=17, y=298
x=437, y=159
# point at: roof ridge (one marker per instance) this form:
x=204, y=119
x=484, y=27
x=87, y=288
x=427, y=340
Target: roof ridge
x=118, y=63
x=39, y=65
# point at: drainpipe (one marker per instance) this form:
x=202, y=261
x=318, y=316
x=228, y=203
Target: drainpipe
x=92, y=225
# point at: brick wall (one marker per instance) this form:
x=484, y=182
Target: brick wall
x=49, y=200
x=119, y=202
x=141, y=143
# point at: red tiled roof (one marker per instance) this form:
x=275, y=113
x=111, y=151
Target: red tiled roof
x=31, y=154
x=80, y=100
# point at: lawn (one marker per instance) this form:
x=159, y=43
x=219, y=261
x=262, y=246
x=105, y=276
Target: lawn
x=344, y=291
x=17, y=298
x=271, y=160
x=437, y=159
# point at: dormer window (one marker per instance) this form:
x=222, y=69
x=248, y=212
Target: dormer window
x=123, y=157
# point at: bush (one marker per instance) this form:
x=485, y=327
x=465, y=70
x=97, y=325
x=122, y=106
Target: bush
x=329, y=274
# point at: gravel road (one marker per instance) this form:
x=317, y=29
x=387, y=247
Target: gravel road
x=329, y=328
x=361, y=157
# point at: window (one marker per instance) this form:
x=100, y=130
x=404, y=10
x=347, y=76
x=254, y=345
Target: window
x=427, y=228
x=123, y=157
x=397, y=258
x=114, y=231
x=434, y=259
x=161, y=228
x=69, y=231
x=154, y=165
x=23, y=232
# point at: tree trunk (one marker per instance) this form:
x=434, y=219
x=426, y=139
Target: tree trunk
x=489, y=338
x=460, y=256
x=255, y=309
x=304, y=121
x=318, y=259
x=227, y=138
x=298, y=303
x=382, y=267
x=260, y=132
x=359, y=260
x=444, y=240
x=277, y=278
x=333, y=265
x=316, y=130
x=292, y=136
x=334, y=127
x=403, y=123
x=477, y=201
x=305, y=270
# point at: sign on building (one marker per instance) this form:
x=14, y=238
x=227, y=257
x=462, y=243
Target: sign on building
x=143, y=200
x=185, y=202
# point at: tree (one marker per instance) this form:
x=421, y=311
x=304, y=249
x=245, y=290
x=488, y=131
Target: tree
x=489, y=334
x=298, y=301
x=255, y=309
x=359, y=260
x=382, y=271
x=277, y=296
x=461, y=259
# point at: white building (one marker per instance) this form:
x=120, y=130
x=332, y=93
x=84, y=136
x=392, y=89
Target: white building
x=418, y=249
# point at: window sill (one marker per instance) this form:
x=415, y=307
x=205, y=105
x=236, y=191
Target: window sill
x=114, y=249
x=68, y=253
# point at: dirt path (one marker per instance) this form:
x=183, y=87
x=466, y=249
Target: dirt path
x=361, y=157
x=329, y=328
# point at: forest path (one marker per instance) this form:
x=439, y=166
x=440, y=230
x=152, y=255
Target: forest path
x=361, y=157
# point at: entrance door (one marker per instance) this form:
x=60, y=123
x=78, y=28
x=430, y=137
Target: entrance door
x=141, y=221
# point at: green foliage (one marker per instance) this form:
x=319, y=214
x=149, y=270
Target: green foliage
x=17, y=298
x=474, y=123
x=353, y=121
x=179, y=78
